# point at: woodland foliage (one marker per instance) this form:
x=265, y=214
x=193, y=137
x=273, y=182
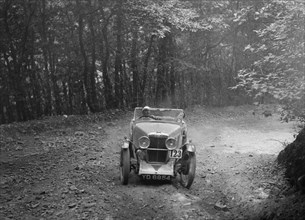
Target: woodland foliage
x=279, y=67
x=81, y=56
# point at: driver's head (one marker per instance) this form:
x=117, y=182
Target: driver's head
x=145, y=111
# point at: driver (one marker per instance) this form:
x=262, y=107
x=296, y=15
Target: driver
x=146, y=114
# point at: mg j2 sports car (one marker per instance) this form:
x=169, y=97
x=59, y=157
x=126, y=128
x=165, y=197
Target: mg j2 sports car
x=157, y=147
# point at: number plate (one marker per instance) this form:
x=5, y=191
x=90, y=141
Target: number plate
x=156, y=177
x=176, y=154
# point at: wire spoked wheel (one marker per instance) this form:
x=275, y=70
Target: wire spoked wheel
x=124, y=166
x=188, y=170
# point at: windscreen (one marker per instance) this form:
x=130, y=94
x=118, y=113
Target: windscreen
x=163, y=113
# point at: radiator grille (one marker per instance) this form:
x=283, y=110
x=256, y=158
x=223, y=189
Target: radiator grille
x=157, y=151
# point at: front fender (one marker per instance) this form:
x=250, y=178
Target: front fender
x=125, y=144
x=190, y=147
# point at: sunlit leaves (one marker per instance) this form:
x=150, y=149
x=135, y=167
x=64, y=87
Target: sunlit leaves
x=279, y=71
x=162, y=16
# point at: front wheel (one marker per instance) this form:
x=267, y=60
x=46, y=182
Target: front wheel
x=187, y=174
x=125, y=166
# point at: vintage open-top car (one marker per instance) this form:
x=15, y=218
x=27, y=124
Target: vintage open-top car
x=157, y=147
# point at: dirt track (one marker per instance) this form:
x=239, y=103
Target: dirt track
x=69, y=169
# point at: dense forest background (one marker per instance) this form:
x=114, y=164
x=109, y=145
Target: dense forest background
x=81, y=56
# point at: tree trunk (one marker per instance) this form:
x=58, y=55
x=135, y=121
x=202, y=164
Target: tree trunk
x=161, y=87
x=7, y=108
x=118, y=59
x=172, y=75
x=134, y=69
x=172, y=84
x=36, y=88
x=47, y=89
x=86, y=92
x=52, y=62
x=18, y=59
x=92, y=95
x=145, y=70
x=106, y=80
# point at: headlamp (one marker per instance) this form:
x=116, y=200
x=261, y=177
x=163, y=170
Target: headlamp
x=170, y=143
x=144, y=142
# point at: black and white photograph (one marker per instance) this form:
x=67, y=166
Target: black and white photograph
x=152, y=109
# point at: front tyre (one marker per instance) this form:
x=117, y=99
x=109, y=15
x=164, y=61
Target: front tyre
x=187, y=174
x=124, y=166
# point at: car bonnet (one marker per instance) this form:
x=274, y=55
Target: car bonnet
x=147, y=128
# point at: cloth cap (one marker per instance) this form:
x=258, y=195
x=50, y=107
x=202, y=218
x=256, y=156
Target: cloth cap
x=145, y=108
